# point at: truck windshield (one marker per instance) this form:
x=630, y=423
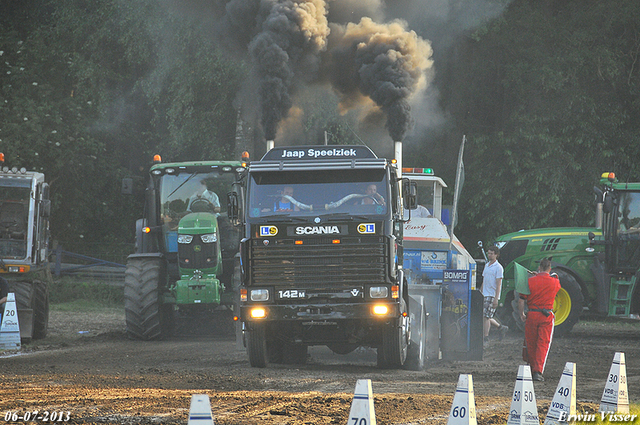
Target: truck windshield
x=312, y=193
x=629, y=230
x=14, y=219
x=179, y=191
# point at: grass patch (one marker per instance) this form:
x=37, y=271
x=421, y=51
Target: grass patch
x=74, y=294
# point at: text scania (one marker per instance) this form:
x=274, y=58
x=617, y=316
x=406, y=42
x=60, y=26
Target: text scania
x=318, y=153
x=317, y=230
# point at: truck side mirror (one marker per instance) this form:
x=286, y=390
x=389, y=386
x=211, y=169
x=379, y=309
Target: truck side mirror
x=608, y=203
x=410, y=195
x=233, y=208
x=45, y=208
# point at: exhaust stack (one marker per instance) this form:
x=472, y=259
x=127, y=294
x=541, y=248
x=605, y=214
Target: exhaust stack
x=270, y=145
x=398, y=156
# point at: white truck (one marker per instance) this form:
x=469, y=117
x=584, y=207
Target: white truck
x=24, y=246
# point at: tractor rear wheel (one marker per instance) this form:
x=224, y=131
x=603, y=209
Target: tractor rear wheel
x=146, y=316
x=568, y=304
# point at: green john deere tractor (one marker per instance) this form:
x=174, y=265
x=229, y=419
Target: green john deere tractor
x=598, y=266
x=185, y=251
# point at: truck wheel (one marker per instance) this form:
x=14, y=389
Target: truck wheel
x=24, y=293
x=257, y=345
x=40, y=310
x=417, y=352
x=568, y=304
x=395, y=340
x=146, y=317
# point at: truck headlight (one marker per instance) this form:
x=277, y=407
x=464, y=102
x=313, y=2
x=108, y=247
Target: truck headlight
x=259, y=294
x=379, y=292
x=185, y=238
x=380, y=310
x=258, y=313
x=209, y=238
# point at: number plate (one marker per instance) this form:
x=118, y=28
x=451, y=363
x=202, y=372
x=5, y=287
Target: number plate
x=291, y=294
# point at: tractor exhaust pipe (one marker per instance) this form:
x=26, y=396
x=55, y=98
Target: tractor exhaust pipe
x=270, y=145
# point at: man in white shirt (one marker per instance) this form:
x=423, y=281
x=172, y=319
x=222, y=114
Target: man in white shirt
x=206, y=194
x=491, y=288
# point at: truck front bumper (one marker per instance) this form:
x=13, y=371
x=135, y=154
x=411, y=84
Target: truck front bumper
x=320, y=313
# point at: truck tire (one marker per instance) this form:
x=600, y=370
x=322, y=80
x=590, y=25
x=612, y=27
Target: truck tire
x=568, y=304
x=257, y=345
x=146, y=317
x=24, y=293
x=40, y=309
x=417, y=353
x=395, y=341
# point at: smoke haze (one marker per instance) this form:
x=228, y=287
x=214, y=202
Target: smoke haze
x=379, y=68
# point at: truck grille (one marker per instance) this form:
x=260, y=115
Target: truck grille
x=319, y=262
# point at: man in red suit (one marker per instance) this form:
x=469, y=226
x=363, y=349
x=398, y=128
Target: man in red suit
x=539, y=320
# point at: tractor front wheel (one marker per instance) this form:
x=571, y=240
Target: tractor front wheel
x=147, y=318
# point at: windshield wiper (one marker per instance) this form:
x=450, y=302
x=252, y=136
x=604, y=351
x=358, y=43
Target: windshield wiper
x=182, y=184
x=342, y=215
x=284, y=217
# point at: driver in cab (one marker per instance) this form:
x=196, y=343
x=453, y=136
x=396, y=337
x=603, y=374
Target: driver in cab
x=284, y=202
x=372, y=196
x=204, y=194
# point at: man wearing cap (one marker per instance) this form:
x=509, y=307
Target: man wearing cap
x=539, y=320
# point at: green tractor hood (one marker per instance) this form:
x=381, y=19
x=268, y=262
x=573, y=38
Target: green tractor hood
x=199, y=260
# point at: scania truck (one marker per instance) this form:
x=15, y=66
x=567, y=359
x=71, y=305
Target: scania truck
x=321, y=256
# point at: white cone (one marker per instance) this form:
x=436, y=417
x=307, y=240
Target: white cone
x=200, y=410
x=463, y=409
x=564, y=399
x=524, y=410
x=10, y=328
x=362, y=411
x=615, y=397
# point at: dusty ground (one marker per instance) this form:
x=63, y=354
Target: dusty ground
x=87, y=367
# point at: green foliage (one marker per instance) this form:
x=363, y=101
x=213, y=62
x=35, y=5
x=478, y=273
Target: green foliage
x=89, y=91
x=548, y=96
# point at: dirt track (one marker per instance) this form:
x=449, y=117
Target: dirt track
x=87, y=366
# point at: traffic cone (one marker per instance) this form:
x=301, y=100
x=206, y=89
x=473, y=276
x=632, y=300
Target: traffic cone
x=524, y=410
x=564, y=399
x=10, y=328
x=615, y=397
x=362, y=411
x=200, y=410
x=463, y=409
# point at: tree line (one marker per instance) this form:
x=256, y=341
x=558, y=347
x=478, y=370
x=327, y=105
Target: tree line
x=547, y=94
